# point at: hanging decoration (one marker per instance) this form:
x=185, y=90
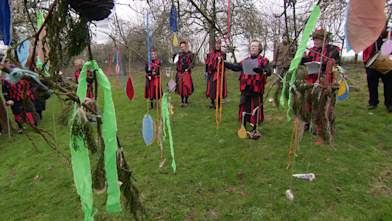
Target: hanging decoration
x=129, y=88
x=167, y=131
x=23, y=52
x=343, y=91
x=173, y=24
x=40, y=45
x=366, y=21
x=79, y=149
x=148, y=129
x=310, y=25
x=219, y=91
x=5, y=22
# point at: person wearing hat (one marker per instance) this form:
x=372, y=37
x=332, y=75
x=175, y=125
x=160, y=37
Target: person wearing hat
x=254, y=71
x=212, y=61
x=153, y=89
x=184, y=81
x=328, y=55
x=373, y=76
x=324, y=52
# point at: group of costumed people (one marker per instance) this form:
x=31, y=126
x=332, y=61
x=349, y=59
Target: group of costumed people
x=254, y=71
x=24, y=93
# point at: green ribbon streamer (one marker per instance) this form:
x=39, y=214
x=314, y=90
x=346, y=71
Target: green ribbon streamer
x=40, y=21
x=167, y=127
x=80, y=159
x=310, y=24
x=40, y=18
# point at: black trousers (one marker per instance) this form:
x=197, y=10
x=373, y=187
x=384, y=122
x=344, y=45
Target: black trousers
x=373, y=78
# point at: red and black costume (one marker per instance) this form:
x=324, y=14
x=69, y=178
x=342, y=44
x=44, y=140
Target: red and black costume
x=22, y=98
x=252, y=83
x=89, y=80
x=330, y=56
x=183, y=77
x=373, y=78
x=153, y=89
x=90, y=86
x=213, y=77
x=40, y=95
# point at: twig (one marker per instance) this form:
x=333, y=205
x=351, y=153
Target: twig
x=41, y=29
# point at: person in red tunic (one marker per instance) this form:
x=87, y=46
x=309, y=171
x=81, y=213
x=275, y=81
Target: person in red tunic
x=183, y=77
x=19, y=97
x=153, y=89
x=373, y=76
x=328, y=55
x=254, y=72
x=216, y=83
x=90, y=97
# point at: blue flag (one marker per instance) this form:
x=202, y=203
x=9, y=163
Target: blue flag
x=5, y=22
x=173, y=18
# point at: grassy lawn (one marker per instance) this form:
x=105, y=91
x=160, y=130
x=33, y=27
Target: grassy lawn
x=219, y=176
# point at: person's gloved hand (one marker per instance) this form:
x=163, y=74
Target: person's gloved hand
x=10, y=102
x=258, y=70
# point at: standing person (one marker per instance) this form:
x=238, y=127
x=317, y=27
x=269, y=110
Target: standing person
x=283, y=55
x=18, y=95
x=153, y=89
x=183, y=77
x=329, y=56
x=40, y=95
x=214, y=85
x=78, y=65
x=373, y=76
x=254, y=71
x=322, y=51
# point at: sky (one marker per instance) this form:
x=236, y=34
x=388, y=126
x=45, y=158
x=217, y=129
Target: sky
x=133, y=11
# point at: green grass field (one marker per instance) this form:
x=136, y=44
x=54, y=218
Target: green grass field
x=219, y=176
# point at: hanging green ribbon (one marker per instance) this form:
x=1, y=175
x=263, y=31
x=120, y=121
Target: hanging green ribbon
x=167, y=127
x=39, y=63
x=310, y=24
x=80, y=159
x=40, y=18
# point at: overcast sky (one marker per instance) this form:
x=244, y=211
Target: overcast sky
x=133, y=11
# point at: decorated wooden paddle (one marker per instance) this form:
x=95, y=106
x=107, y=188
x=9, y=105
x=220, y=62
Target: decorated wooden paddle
x=129, y=88
x=148, y=129
x=242, y=131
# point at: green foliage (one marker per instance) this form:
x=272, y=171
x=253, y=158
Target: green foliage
x=68, y=36
x=219, y=176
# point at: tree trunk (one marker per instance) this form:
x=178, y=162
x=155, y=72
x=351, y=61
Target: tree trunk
x=212, y=29
x=3, y=117
x=356, y=58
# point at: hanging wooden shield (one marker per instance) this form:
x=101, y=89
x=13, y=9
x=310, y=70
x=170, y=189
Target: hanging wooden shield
x=129, y=89
x=148, y=129
x=172, y=85
x=343, y=92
